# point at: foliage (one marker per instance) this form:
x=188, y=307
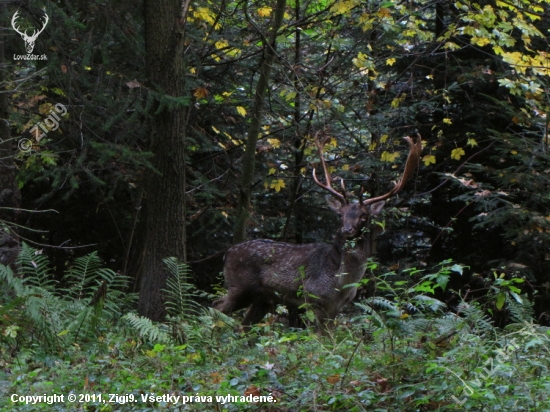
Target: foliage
x=55, y=315
x=427, y=360
x=187, y=321
x=471, y=77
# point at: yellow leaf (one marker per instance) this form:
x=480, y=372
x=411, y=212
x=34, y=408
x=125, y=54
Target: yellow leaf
x=342, y=7
x=241, y=110
x=390, y=62
x=276, y=143
x=372, y=146
x=480, y=41
x=277, y=185
x=204, y=13
x=220, y=44
x=428, y=159
x=389, y=157
x=471, y=142
x=216, y=130
x=514, y=152
x=395, y=103
x=192, y=70
x=457, y=153
x=384, y=138
x=264, y=12
x=271, y=171
x=345, y=167
x=447, y=121
x=383, y=12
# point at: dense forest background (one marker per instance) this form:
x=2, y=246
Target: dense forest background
x=471, y=78
x=185, y=127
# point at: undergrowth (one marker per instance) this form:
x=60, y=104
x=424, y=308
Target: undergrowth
x=403, y=350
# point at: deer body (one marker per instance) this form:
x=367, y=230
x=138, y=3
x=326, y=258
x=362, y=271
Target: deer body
x=260, y=273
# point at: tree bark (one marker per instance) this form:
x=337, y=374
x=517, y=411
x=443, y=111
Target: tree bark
x=165, y=190
x=10, y=196
x=249, y=158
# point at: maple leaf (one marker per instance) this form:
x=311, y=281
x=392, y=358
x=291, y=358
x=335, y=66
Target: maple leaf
x=428, y=159
x=277, y=185
x=457, y=153
x=389, y=157
x=264, y=11
x=200, y=93
x=220, y=44
x=276, y=143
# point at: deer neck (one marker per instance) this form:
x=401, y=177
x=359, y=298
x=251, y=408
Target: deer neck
x=354, y=254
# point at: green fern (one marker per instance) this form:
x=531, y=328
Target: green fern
x=58, y=316
x=475, y=319
x=181, y=296
x=153, y=332
x=187, y=321
x=34, y=268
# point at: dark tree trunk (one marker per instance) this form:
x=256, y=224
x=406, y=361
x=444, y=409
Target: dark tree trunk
x=10, y=197
x=165, y=190
x=249, y=158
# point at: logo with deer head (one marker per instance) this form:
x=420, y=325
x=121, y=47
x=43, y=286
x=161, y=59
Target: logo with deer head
x=29, y=40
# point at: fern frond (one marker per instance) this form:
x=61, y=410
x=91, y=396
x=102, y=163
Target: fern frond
x=180, y=295
x=521, y=311
x=34, y=267
x=427, y=301
x=476, y=319
x=147, y=329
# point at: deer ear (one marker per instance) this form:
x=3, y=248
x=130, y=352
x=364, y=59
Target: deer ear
x=376, y=208
x=334, y=204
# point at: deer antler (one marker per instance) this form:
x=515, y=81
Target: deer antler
x=412, y=163
x=328, y=186
x=13, y=24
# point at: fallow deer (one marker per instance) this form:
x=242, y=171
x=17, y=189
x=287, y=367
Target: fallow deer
x=259, y=273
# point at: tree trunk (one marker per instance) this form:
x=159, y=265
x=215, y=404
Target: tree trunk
x=165, y=190
x=10, y=196
x=249, y=158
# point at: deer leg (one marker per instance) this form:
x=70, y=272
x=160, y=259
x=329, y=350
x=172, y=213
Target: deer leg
x=231, y=302
x=256, y=312
x=325, y=321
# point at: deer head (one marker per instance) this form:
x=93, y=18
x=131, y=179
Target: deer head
x=355, y=214
x=29, y=40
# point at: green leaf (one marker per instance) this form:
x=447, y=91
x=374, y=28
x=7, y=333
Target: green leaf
x=501, y=298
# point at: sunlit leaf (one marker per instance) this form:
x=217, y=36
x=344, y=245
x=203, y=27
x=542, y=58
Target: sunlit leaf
x=277, y=185
x=276, y=143
x=457, y=153
x=264, y=11
x=220, y=44
x=428, y=159
x=241, y=110
x=389, y=157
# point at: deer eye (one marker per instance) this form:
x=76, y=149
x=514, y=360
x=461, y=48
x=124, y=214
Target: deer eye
x=363, y=218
